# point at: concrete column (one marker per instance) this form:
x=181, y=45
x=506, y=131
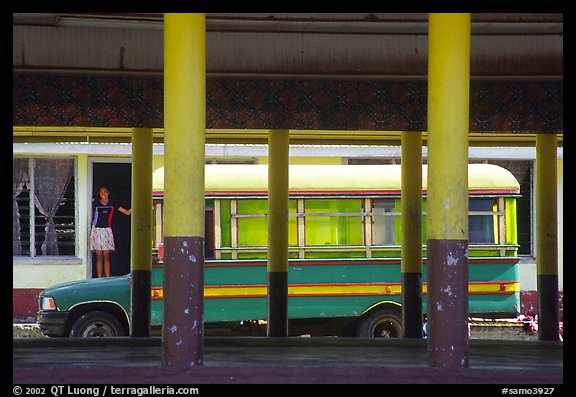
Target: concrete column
x=547, y=236
x=447, y=199
x=411, y=262
x=141, y=232
x=184, y=139
x=278, y=154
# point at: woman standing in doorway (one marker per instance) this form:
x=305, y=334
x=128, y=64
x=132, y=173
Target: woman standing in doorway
x=101, y=236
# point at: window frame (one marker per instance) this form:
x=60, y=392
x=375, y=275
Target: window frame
x=33, y=257
x=497, y=222
x=339, y=214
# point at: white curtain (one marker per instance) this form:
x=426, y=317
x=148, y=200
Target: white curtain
x=51, y=178
x=19, y=180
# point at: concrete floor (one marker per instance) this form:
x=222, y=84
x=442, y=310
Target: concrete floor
x=282, y=360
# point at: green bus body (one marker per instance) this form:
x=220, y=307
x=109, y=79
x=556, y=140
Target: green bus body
x=337, y=304
x=344, y=247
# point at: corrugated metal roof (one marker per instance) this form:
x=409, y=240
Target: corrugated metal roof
x=315, y=44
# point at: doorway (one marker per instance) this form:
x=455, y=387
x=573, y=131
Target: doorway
x=118, y=178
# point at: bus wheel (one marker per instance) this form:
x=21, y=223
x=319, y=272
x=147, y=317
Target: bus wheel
x=96, y=324
x=381, y=323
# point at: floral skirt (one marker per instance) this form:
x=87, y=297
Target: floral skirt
x=102, y=239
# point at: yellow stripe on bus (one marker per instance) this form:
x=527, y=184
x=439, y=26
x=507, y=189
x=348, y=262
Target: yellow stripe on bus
x=240, y=291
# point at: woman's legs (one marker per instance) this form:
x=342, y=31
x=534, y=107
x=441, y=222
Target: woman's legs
x=99, y=257
x=102, y=238
x=102, y=260
x=107, y=263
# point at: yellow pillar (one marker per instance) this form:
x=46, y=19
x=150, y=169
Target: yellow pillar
x=547, y=236
x=184, y=139
x=411, y=262
x=447, y=199
x=278, y=155
x=141, y=232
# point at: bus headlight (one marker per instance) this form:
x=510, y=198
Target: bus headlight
x=47, y=303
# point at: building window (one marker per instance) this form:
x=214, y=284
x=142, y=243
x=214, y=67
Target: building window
x=43, y=213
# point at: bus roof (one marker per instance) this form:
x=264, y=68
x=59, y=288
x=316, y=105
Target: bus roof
x=230, y=178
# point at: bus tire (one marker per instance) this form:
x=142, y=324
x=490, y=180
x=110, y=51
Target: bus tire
x=96, y=324
x=381, y=323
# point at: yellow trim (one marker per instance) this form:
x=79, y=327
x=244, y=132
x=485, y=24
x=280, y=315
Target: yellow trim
x=382, y=303
x=381, y=289
x=494, y=287
x=495, y=223
x=511, y=227
x=305, y=290
x=222, y=292
x=339, y=178
x=487, y=287
x=214, y=135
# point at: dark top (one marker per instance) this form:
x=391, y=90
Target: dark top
x=103, y=213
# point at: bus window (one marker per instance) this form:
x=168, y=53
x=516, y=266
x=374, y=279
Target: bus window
x=253, y=224
x=209, y=233
x=252, y=219
x=158, y=232
x=328, y=224
x=481, y=221
x=384, y=232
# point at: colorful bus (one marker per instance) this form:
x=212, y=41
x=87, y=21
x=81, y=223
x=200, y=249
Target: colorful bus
x=344, y=253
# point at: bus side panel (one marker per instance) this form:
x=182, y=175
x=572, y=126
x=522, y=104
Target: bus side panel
x=316, y=289
x=156, y=305
x=237, y=291
x=235, y=273
x=495, y=305
x=496, y=290
x=493, y=270
x=341, y=288
x=238, y=309
x=156, y=309
x=235, y=309
x=359, y=271
x=335, y=306
x=499, y=305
